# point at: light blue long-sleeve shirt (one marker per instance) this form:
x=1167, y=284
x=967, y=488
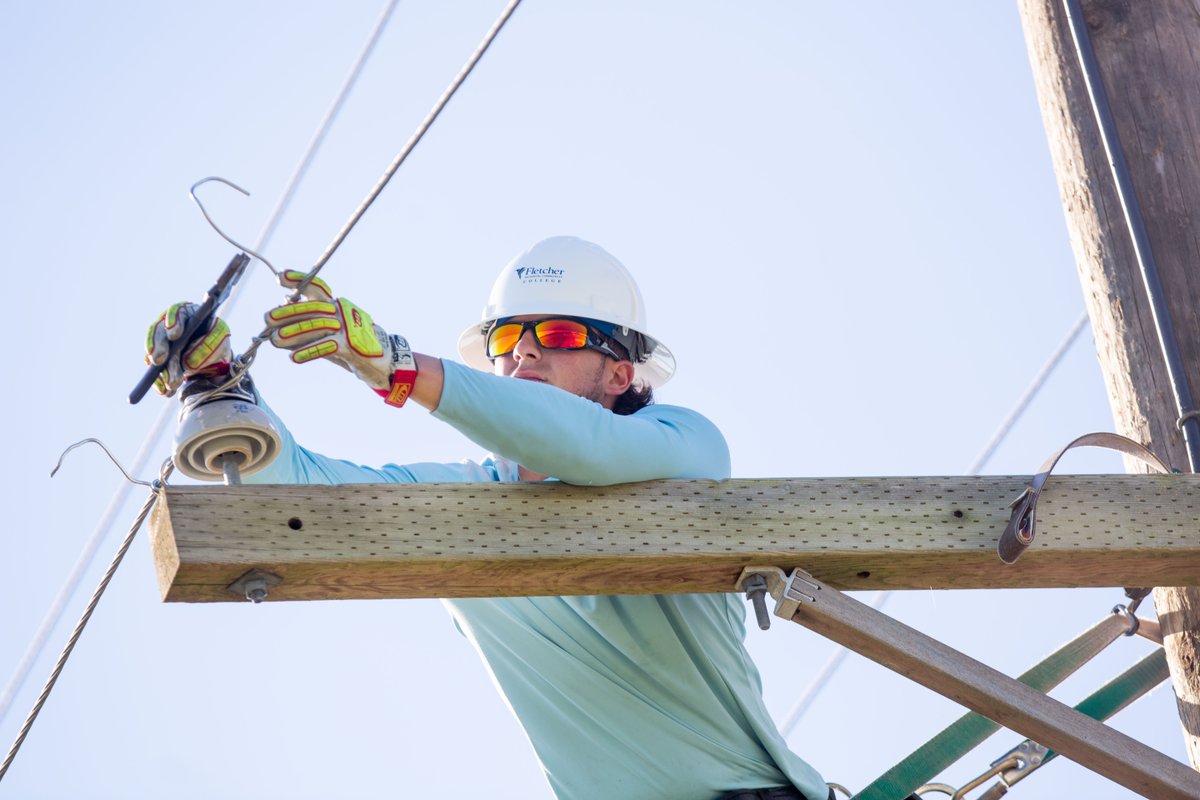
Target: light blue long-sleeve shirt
x=648, y=697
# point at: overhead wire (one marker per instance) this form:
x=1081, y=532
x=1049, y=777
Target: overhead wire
x=1019, y=409
x=834, y=662
x=54, y=614
x=241, y=364
x=157, y=486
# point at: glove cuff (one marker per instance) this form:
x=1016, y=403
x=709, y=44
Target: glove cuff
x=404, y=373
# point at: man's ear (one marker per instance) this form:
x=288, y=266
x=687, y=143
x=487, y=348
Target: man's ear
x=620, y=378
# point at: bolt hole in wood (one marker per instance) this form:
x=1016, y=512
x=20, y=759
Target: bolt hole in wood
x=865, y=574
x=958, y=513
x=295, y=524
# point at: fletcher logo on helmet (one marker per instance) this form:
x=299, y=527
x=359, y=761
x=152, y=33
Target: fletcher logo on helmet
x=565, y=276
x=540, y=274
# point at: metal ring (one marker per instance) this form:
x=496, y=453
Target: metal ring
x=1184, y=418
x=1134, y=621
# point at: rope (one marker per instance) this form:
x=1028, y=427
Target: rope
x=165, y=473
x=34, y=651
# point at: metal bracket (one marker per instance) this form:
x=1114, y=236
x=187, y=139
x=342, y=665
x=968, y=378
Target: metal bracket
x=1029, y=755
x=254, y=585
x=789, y=591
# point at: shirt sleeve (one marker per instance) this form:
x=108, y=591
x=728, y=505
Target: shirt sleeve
x=296, y=464
x=576, y=440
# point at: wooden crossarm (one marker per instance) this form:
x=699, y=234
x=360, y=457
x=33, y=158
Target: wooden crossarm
x=461, y=540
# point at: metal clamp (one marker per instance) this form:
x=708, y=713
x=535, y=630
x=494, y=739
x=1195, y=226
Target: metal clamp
x=789, y=591
x=1029, y=755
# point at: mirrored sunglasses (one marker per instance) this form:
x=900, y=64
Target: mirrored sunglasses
x=551, y=334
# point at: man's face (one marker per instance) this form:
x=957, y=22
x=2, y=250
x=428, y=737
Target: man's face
x=586, y=373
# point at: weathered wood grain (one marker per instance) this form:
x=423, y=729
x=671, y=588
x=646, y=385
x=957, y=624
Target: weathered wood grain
x=476, y=540
x=1149, y=59
x=982, y=689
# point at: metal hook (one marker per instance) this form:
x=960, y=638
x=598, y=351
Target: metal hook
x=1134, y=621
x=220, y=232
x=113, y=458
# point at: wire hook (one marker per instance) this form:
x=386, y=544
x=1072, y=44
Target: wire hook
x=221, y=233
x=108, y=452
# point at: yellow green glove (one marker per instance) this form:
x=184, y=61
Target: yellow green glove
x=322, y=326
x=208, y=356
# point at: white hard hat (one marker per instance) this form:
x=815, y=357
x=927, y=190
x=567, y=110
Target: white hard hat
x=569, y=276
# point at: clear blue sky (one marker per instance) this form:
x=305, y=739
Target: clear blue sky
x=844, y=222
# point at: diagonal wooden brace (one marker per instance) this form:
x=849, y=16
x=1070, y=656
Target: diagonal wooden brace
x=805, y=600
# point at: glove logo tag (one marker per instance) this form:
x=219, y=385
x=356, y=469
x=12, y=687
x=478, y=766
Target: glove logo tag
x=402, y=386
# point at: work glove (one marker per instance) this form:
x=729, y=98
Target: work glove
x=207, y=357
x=322, y=326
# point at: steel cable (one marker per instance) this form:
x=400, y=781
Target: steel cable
x=34, y=651
x=165, y=473
x=156, y=431
x=242, y=363
x=834, y=662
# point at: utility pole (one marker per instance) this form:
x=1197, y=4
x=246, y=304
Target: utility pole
x=1148, y=56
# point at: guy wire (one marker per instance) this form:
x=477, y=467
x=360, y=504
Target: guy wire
x=54, y=615
x=168, y=467
x=257, y=341
x=462, y=75
x=817, y=685
x=242, y=363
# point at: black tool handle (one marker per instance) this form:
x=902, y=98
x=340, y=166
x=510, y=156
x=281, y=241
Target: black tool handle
x=199, y=322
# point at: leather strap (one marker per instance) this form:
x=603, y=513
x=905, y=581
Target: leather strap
x=1019, y=532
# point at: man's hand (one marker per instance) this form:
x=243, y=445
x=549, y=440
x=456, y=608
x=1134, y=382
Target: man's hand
x=208, y=356
x=322, y=326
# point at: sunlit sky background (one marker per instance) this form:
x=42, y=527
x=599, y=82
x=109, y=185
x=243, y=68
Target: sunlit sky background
x=843, y=219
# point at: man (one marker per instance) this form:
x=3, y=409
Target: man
x=622, y=697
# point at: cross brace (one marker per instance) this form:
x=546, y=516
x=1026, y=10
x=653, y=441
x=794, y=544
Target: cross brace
x=807, y=601
x=477, y=540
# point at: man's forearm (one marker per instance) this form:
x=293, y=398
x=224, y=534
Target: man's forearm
x=428, y=389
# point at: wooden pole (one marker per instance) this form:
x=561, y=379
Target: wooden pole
x=1149, y=61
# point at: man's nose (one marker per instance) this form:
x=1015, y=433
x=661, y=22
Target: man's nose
x=527, y=346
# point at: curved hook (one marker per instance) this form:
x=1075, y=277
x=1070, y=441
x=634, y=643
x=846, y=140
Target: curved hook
x=221, y=233
x=113, y=458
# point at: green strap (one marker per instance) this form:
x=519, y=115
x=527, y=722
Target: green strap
x=1124, y=689
x=1101, y=704
x=970, y=730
